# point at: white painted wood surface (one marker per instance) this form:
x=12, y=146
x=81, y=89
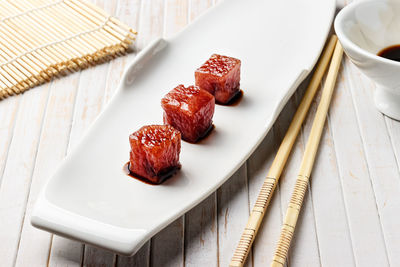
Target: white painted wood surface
x=350, y=215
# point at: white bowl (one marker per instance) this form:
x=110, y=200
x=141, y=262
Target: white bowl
x=365, y=28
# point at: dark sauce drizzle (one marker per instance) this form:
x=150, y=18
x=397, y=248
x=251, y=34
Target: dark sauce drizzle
x=168, y=173
x=391, y=52
x=204, y=136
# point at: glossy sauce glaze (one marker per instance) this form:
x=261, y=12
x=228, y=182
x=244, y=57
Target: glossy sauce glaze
x=189, y=110
x=162, y=177
x=218, y=65
x=206, y=134
x=235, y=100
x=391, y=52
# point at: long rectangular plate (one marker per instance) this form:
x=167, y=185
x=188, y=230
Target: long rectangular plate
x=90, y=199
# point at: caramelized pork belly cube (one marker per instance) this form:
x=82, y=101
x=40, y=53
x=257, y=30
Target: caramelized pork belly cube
x=219, y=75
x=155, y=152
x=190, y=110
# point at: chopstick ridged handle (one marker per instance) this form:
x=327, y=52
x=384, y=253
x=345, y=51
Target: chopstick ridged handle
x=292, y=214
x=268, y=187
x=248, y=235
x=265, y=194
x=307, y=163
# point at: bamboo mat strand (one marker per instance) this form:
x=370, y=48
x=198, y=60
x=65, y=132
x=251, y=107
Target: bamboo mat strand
x=43, y=39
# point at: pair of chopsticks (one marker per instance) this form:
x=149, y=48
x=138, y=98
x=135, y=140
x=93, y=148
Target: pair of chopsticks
x=332, y=53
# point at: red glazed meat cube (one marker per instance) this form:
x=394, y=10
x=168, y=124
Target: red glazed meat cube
x=190, y=110
x=219, y=75
x=155, y=152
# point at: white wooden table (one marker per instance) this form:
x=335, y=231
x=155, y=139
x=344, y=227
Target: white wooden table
x=351, y=213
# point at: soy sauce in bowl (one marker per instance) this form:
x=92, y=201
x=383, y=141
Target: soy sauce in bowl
x=391, y=52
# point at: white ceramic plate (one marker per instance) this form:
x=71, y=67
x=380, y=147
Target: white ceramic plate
x=90, y=199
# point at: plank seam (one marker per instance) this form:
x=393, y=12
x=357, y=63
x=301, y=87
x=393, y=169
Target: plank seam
x=341, y=175
x=183, y=239
x=164, y=27
x=299, y=140
x=33, y=169
x=315, y=222
x=189, y=12
x=303, y=137
x=390, y=133
x=341, y=185
x=149, y=252
x=10, y=138
x=368, y=164
x=217, y=223
x=246, y=173
x=278, y=135
x=49, y=252
x=82, y=253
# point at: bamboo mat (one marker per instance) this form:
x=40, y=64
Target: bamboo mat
x=40, y=39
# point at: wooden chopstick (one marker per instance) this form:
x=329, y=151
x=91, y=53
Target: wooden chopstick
x=264, y=197
x=307, y=163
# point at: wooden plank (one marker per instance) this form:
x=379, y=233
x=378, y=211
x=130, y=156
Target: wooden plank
x=198, y=7
x=365, y=226
x=35, y=244
x=299, y=255
x=129, y=13
x=331, y=223
x=394, y=134
x=150, y=22
x=94, y=256
x=201, y=234
x=257, y=167
x=299, y=193
x=17, y=175
x=381, y=159
x=140, y=259
x=8, y=114
x=176, y=16
x=65, y=252
x=167, y=247
x=233, y=211
x=279, y=164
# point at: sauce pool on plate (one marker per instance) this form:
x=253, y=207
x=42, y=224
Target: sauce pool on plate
x=235, y=99
x=391, y=52
x=164, y=176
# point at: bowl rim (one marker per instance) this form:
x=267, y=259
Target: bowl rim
x=346, y=42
